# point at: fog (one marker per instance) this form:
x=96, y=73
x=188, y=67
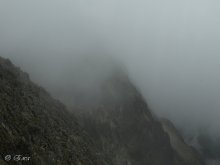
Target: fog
x=170, y=49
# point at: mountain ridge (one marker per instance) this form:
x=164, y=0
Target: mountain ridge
x=35, y=125
x=119, y=131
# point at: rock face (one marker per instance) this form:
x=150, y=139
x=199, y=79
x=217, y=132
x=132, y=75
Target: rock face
x=34, y=125
x=119, y=130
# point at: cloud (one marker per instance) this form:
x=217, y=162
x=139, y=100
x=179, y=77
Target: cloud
x=171, y=48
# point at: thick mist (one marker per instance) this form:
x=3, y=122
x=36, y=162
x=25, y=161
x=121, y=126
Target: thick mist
x=170, y=49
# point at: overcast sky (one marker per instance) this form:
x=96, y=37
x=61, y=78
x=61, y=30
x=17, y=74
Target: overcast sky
x=171, y=48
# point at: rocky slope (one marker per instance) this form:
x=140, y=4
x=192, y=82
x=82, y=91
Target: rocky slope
x=34, y=125
x=187, y=153
x=125, y=131
x=118, y=130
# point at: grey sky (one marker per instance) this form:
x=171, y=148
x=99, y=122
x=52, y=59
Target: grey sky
x=171, y=48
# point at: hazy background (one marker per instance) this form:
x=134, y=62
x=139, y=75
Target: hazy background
x=170, y=48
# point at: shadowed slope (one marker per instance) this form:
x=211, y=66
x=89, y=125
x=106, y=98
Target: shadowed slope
x=35, y=125
x=124, y=129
